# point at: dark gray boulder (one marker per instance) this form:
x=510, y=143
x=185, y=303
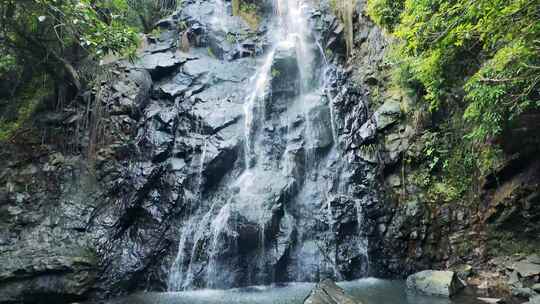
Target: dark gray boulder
x=37, y=276
x=328, y=292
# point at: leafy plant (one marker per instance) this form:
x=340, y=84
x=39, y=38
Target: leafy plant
x=489, y=49
x=249, y=11
x=386, y=12
x=56, y=40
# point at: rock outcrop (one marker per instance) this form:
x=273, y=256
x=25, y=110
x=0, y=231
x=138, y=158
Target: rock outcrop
x=522, y=273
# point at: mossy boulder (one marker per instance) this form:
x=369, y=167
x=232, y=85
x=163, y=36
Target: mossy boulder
x=440, y=283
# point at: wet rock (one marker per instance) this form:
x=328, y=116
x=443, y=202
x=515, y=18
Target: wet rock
x=526, y=269
x=523, y=292
x=513, y=279
x=159, y=64
x=229, y=114
x=327, y=292
x=463, y=271
x=387, y=114
x=534, y=300
x=534, y=258
x=177, y=86
x=320, y=132
x=129, y=93
x=367, y=131
x=443, y=283
x=284, y=71
x=30, y=275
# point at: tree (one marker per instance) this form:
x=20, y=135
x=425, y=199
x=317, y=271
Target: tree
x=490, y=49
x=46, y=42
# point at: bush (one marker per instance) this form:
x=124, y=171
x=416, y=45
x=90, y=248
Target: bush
x=43, y=39
x=386, y=13
x=489, y=50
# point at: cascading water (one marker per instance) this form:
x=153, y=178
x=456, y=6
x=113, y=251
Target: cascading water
x=283, y=212
x=250, y=108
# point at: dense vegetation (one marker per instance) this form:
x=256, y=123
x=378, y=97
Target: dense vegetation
x=474, y=66
x=50, y=49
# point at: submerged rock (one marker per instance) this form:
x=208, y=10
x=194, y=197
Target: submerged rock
x=442, y=283
x=327, y=292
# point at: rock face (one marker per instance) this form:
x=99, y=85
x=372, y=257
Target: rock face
x=327, y=292
x=281, y=202
x=442, y=283
x=172, y=176
x=33, y=276
x=413, y=230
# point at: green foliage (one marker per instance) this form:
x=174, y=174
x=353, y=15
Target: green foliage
x=95, y=26
x=249, y=11
x=385, y=13
x=29, y=99
x=211, y=53
x=505, y=87
x=487, y=49
x=248, y=7
x=7, y=63
x=231, y=38
x=450, y=166
x=475, y=65
x=57, y=40
x=143, y=14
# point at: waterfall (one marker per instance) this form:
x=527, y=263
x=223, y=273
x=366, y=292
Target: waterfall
x=280, y=206
x=176, y=276
x=260, y=83
x=201, y=167
x=219, y=19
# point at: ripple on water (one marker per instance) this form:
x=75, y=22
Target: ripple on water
x=369, y=291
